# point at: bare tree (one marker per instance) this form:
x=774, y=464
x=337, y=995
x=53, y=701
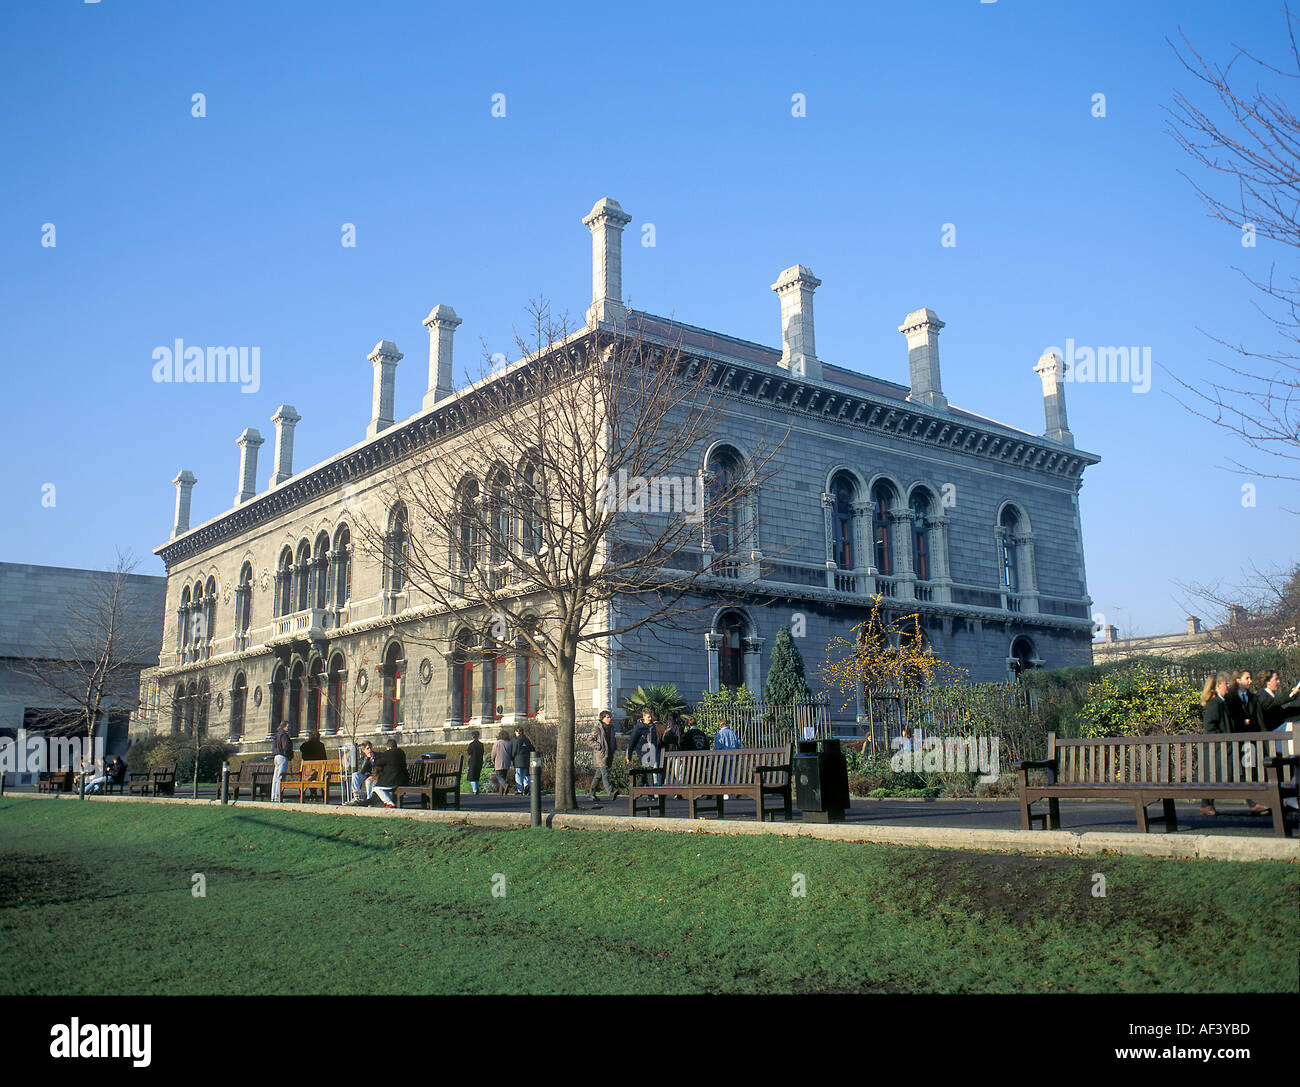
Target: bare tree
x=1249, y=141
x=90, y=661
x=565, y=507
x=1262, y=610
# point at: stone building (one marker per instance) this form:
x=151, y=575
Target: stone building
x=883, y=488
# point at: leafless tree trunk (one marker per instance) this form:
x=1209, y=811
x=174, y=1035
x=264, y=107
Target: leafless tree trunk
x=565, y=506
x=1249, y=142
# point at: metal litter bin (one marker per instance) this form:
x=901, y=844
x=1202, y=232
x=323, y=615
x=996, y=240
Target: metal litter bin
x=821, y=781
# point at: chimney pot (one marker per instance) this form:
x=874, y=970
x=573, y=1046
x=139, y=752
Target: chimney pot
x=794, y=287
x=1051, y=368
x=184, y=481
x=441, y=323
x=249, y=442
x=922, y=328
x=384, y=358
x=285, y=419
x=606, y=220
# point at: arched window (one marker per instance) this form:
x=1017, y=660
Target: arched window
x=209, y=615
x=1023, y=655
x=731, y=659
x=191, y=708
x=183, y=621
x=238, y=702
x=497, y=686
x=467, y=542
x=297, y=688
x=284, y=583
x=341, y=565
x=396, y=548
x=334, y=703
x=1009, y=559
x=462, y=679
x=844, y=494
x=244, y=600
x=390, y=711
x=528, y=673
x=178, y=709
x=279, y=696
x=320, y=572
x=301, y=578
x=920, y=507
x=530, y=519
x=499, y=518
x=882, y=501
x=724, y=503
x=315, y=694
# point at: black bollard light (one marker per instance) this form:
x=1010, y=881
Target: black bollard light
x=225, y=781
x=535, y=788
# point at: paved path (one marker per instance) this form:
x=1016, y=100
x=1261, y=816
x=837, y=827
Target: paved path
x=1076, y=815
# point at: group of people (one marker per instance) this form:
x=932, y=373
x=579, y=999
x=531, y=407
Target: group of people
x=100, y=774
x=649, y=741
x=508, y=753
x=378, y=774
x=1230, y=703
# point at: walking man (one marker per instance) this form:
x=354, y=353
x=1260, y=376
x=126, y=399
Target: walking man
x=283, y=748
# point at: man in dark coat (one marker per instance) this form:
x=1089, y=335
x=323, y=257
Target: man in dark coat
x=1276, y=708
x=645, y=743
x=519, y=752
x=313, y=748
x=390, y=771
x=283, y=747
x=474, y=761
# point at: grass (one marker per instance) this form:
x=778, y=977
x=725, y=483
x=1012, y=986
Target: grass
x=96, y=898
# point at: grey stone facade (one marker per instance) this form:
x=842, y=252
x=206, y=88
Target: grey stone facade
x=989, y=511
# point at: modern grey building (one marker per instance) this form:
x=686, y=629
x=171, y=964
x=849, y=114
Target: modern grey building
x=52, y=621
x=880, y=489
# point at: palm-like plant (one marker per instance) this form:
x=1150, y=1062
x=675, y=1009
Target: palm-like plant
x=660, y=698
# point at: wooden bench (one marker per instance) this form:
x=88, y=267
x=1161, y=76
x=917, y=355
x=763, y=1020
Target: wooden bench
x=1161, y=769
x=254, y=777
x=438, y=780
x=315, y=775
x=156, y=782
x=751, y=772
x=54, y=781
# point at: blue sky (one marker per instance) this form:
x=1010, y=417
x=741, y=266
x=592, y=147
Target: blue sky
x=226, y=229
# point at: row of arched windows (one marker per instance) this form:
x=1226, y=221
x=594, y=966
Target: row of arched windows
x=312, y=576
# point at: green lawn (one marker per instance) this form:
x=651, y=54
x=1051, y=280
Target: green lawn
x=96, y=898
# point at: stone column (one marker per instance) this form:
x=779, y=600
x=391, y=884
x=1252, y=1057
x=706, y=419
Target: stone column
x=940, y=573
x=285, y=419
x=606, y=221
x=900, y=532
x=184, y=481
x=1028, y=582
x=442, y=323
x=249, y=442
x=713, y=643
x=752, y=647
x=828, y=521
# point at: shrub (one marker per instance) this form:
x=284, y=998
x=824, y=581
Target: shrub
x=155, y=751
x=1138, y=700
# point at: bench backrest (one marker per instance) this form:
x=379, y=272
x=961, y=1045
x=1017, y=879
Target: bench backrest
x=438, y=772
x=320, y=769
x=1219, y=758
x=250, y=771
x=725, y=767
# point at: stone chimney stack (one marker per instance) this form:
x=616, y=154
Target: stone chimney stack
x=1236, y=615
x=384, y=358
x=1051, y=368
x=285, y=419
x=249, y=442
x=922, y=331
x=794, y=287
x=1112, y=633
x=441, y=323
x=606, y=221
x=185, y=480
x=1193, y=624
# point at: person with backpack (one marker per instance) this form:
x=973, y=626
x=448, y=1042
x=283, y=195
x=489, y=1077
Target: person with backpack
x=283, y=748
x=601, y=743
